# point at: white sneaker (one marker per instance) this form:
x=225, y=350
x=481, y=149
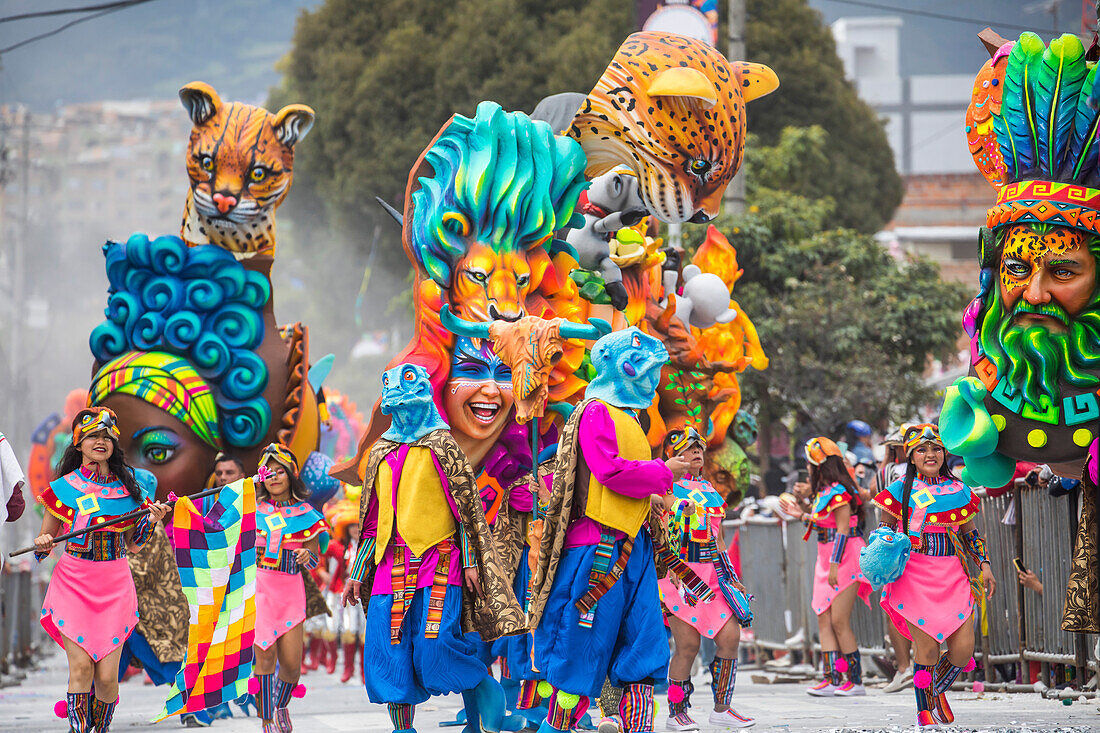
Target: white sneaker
x=849, y=689
x=822, y=689
x=682, y=721
x=730, y=719
x=902, y=679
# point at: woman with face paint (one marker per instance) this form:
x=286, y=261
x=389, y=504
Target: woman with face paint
x=833, y=513
x=90, y=606
x=290, y=535
x=696, y=512
x=932, y=602
x=478, y=402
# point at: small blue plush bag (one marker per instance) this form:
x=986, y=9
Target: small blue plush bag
x=884, y=558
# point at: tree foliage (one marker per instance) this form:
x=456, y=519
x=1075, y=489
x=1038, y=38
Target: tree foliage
x=861, y=178
x=384, y=77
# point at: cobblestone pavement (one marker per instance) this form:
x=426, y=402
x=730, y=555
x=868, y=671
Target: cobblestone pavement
x=331, y=706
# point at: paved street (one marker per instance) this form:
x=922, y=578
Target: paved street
x=330, y=706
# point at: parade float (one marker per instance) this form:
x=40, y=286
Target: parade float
x=1034, y=341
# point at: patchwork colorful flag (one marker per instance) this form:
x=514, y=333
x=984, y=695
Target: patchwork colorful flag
x=216, y=556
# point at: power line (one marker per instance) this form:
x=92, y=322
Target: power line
x=67, y=11
x=71, y=23
x=929, y=14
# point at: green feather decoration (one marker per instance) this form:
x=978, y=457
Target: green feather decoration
x=1081, y=160
x=1056, y=87
x=1015, y=125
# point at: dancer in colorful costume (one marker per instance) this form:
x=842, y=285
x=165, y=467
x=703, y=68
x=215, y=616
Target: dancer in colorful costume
x=290, y=536
x=427, y=569
x=594, y=594
x=1034, y=326
x=481, y=392
x=834, y=515
x=932, y=602
x=695, y=532
x=345, y=627
x=90, y=606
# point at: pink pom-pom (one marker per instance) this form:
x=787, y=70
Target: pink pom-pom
x=979, y=686
x=922, y=679
x=172, y=496
x=675, y=694
x=253, y=686
x=841, y=665
x=970, y=665
x=298, y=691
x=61, y=709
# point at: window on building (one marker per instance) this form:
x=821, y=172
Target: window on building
x=865, y=62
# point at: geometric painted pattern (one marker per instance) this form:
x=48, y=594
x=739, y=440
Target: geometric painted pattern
x=1046, y=202
x=216, y=557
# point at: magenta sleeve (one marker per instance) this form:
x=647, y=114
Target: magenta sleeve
x=600, y=449
x=370, y=521
x=520, y=498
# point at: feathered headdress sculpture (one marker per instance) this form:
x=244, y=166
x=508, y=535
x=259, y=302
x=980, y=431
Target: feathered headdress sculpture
x=1032, y=133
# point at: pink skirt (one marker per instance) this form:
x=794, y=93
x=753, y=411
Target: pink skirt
x=933, y=594
x=91, y=602
x=280, y=604
x=849, y=573
x=707, y=618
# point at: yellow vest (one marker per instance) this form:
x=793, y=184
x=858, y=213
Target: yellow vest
x=612, y=509
x=424, y=517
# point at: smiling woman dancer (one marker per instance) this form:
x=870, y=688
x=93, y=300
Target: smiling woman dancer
x=91, y=606
x=834, y=515
x=933, y=601
x=289, y=539
x=697, y=511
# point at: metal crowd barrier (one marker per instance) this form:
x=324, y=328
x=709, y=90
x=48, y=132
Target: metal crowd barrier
x=18, y=619
x=778, y=568
x=1000, y=640
x=1020, y=625
x=764, y=570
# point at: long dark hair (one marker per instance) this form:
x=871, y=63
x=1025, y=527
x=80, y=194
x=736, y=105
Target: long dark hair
x=73, y=459
x=298, y=488
x=833, y=470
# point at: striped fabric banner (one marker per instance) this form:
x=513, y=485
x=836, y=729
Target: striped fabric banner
x=216, y=557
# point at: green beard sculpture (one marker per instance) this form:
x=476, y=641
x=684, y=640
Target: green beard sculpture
x=1035, y=359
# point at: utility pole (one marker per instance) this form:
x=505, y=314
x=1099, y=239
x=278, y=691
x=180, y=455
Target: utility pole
x=735, y=192
x=18, y=394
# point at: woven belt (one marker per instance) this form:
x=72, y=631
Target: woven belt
x=99, y=547
x=936, y=544
x=828, y=534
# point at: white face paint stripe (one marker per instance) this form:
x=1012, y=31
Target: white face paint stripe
x=477, y=383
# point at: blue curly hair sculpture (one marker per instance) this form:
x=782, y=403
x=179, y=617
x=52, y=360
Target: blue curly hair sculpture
x=200, y=304
x=501, y=179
